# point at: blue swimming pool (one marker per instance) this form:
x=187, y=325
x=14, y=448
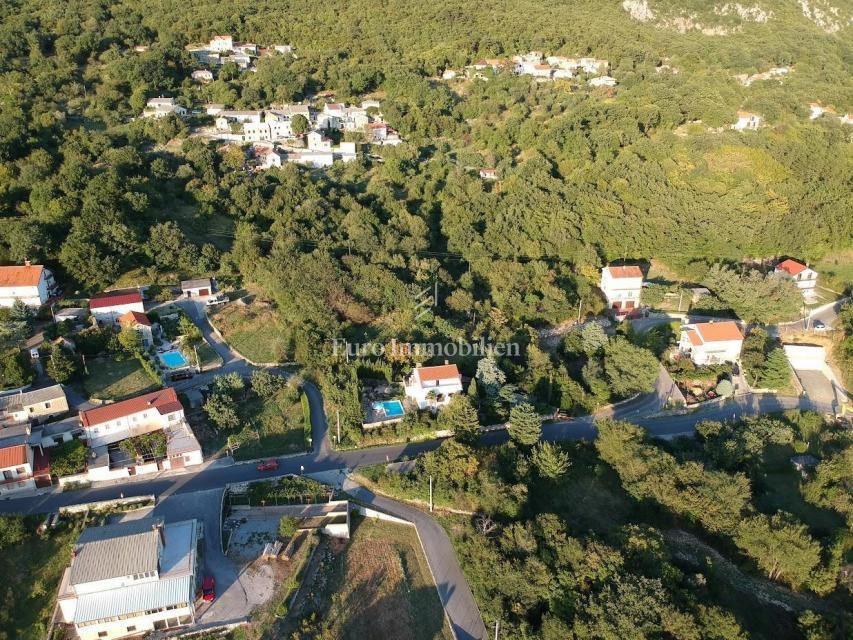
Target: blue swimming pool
x=173, y=359
x=391, y=408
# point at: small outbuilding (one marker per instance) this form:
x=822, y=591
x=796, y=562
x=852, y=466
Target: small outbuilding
x=199, y=287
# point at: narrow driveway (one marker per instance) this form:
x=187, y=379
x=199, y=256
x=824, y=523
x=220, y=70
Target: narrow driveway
x=453, y=589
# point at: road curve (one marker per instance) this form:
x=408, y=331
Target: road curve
x=453, y=590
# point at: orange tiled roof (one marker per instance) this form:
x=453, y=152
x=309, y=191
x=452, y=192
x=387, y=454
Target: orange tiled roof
x=440, y=372
x=718, y=331
x=791, y=267
x=134, y=317
x=20, y=276
x=13, y=456
x=630, y=271
x=165, y=401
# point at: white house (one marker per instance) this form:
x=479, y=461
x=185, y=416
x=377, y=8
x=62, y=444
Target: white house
x=131, y=578
x=107, y=307
x=382, y=134
x=340, y=116
x=110, y=423
x=225, y=117
x=602, y=81
x=432, y=387
x=622, y=287
x=241, y=60
x=197, y=288
x=221, y=43
x=448, y=74
x=711, y=342
x=315, y=159
x=488, y=174
x=31, y=283
x=316, y=141
x=161, y=107
x=139, y=322
x=214, y=109
x=34, y=405
x=269, y=158
x=804, y=277
x=747, y=121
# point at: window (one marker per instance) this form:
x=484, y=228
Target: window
x=102, y=634
x=7, y=475
x=131, y=628
x=47, y=405
x=20, y=471
x=32, y=409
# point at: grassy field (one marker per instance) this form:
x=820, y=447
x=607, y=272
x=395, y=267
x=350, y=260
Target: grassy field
x=216, y=229
x=280, y=425
x=113, y=379
x=377, y=587
x=836, y=270
x=254, y=330
x=33, y=570
x=209, y=358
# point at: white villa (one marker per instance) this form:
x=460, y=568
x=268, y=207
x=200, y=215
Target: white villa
x=432, y=387
x=118, y=421
x=108, y=307
x=221, y=43
x=804, y=277
x=31, y=283
x=130, y=578
x=161, y=107
x=747, y=121
x=602, y=81
x=622, y=287
x=711, y=342
x=560, y=67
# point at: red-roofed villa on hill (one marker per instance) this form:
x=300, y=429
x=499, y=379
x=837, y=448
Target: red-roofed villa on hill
x=802, y=276
x=711, y=342
x=432, y=387
x=622, y=287
x=31, y=283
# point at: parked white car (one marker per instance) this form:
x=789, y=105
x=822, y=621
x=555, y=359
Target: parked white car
x=219, y=298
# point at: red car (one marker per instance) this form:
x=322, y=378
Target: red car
x=208, y=589
x=267, y=465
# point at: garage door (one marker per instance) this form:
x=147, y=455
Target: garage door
x=806, y=357
x=203, y=292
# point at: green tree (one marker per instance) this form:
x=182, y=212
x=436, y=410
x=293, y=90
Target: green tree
x=16, y=370
x=776, y=373
x=593, y=338
x=287, y=527
x=130, y=341
x=460, y=417
x=781, y=546
x=550, y=460
x=60, y=365
x=222, y=411
x=68, y=458
x=299, y=124
x=267, y=384
x=525, y=425
x=490, y=378
x=630, y=369
x=12, y=531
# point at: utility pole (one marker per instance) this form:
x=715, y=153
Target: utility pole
x=580, y=306
x=430, y=494
x=197, y=361
x=497, y=628
x=338, y=412
x=680, y=297
x=85, y=369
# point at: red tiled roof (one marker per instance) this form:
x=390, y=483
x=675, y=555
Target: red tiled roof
x=718, y=331
x=114, y=298
x=165, y=401
x=41, y=462
x=441, y=372
x=13, y=456
x=791, y=267
x=626, y=272
x=20, y=276
x=134, y=317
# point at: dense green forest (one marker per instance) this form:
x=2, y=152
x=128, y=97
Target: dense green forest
x=712, y=537
x=648, y=169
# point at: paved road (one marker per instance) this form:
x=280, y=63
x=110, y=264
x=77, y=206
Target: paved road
x=326, y=459
x=453, y=589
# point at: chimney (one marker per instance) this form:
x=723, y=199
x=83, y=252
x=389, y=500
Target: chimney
x=446, y=361
x=160, y=529
x=27, y=263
